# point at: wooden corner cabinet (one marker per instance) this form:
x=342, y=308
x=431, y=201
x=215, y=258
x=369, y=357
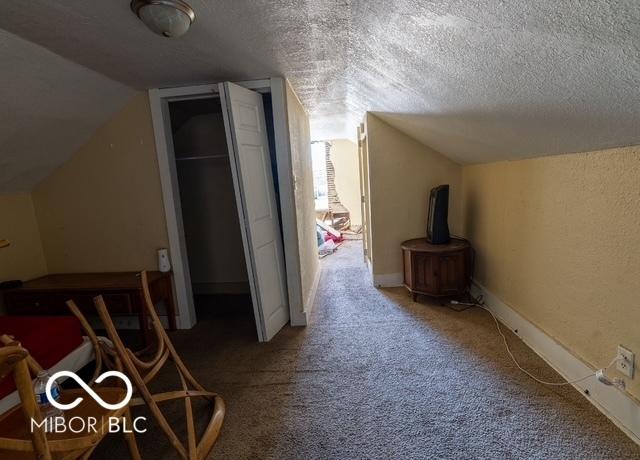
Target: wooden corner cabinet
x=437, y=270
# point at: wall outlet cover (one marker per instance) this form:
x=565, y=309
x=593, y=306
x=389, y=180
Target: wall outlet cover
x=626, y=364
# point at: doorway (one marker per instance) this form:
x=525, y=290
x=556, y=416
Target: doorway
x=336, y=177
x=212, y=233
x=221, y=199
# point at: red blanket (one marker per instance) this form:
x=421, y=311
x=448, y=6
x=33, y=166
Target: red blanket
x=48, y=339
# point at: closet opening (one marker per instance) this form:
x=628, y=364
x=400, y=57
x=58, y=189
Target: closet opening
x=210, y=213
x=221, y=148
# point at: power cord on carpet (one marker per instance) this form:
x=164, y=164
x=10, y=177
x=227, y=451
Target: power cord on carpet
x=479, y=303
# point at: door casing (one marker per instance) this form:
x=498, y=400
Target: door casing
x=159, y=99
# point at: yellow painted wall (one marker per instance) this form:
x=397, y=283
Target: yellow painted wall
x=300, y=138
x=24, y=258
x=102, y=210
x=344, y=156
x=402, y=171
x=558, y=240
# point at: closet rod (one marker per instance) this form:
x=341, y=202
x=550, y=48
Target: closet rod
x=202, y=157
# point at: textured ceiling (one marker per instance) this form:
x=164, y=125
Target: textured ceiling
x=477, y=80
x=48, y=107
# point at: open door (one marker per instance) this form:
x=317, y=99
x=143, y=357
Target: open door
x=245, y=127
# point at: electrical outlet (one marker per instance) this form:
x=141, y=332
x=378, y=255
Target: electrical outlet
x=625, y=363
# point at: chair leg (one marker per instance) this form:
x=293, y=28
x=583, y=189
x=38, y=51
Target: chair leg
x=130, y=437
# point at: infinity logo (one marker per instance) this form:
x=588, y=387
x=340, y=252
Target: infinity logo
x=88, y=389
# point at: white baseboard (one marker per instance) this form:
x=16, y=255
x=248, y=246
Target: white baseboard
x=620, y=407
x=388, y=280
x=299, y=319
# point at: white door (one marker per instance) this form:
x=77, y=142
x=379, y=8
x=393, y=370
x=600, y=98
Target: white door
x=255, y=195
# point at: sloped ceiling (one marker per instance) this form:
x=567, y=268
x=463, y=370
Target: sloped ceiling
x=476, y=80
x=49, y=107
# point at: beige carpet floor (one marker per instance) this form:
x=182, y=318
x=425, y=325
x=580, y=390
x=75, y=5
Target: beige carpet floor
x=377, y=376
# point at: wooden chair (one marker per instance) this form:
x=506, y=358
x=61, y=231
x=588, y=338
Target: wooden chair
x=19, y=439
x=33, y=365
x=142, y=372
x=103, y=349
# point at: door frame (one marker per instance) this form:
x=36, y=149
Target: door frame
x=159, y=99
x=363, y=192
x=363, y=160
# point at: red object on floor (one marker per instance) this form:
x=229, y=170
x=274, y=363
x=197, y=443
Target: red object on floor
x=47, y=338
x=336, y=239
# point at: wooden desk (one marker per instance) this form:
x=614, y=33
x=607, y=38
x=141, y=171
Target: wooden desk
x=122, y=293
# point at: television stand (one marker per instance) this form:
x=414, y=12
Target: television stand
x=437, y=270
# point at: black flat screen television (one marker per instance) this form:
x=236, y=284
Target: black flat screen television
x=438, y=211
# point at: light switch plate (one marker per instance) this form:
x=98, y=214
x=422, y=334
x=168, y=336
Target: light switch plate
x=625, y=364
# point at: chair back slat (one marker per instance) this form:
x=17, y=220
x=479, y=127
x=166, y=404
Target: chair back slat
x=13, y=358
x=143, y=372
x=93, y=338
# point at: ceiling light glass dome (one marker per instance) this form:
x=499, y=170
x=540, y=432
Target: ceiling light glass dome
x=169, y=18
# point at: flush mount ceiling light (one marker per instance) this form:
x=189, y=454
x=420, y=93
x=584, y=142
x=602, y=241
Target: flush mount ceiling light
x=169, y=18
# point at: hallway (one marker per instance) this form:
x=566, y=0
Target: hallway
x=377, y=376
